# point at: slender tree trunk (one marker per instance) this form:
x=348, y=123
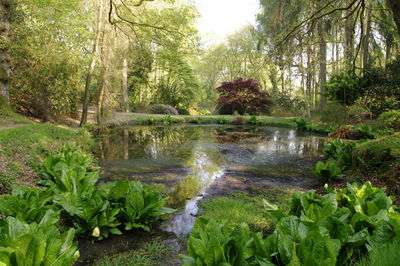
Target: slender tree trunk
x=366, y=39
x=349, y=42
x=103, y=76
x=322, y=60
x=5, y=72
x=125, y=85
x=389, y=44
x=92, y=64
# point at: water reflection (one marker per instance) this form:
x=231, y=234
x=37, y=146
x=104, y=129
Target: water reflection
x=189, y=159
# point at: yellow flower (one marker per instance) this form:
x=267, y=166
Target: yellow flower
x=96, y=232
x=77, y=255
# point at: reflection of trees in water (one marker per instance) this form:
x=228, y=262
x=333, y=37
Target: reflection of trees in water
x=139, y=142
x=205, y=165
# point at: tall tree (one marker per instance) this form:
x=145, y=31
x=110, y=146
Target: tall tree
x=93, y=60
x=5, y=10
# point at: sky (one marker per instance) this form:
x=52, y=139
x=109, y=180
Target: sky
x=219, y=18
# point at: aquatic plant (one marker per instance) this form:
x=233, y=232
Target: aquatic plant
x=212, y=243
x=36, y=244
x=327, y=171
x=333, y=229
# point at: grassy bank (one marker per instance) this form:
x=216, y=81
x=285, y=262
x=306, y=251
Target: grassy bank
x=22, y=150
x=150, y=255
x=245, y=208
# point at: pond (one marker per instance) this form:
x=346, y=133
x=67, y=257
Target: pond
x=195, y=161
x=191, y=162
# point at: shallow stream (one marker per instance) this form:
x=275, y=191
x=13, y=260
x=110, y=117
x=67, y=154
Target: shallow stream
x=193, y=162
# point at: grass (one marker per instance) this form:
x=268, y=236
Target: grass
x=23, y=149
x=9, y=118
x=244, y=208
x=151, y=254
x=387, y=255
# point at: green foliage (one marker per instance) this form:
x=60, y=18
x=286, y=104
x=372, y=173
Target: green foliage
x=365, y=132
x=252, y=120
x=391, y=119
x=328, y=171
x=333, y=113
x=69, y=171
x=385, y=255
x=305, y=125
x=88, y=212
x=340, y=151
x=302, y=124
x=150, y=255
x=162, y=109
x=377, y=154
x=29, y=205
x=332, y=229
x=98, y=212
x=167, y=120
x=212, y=243
x=138, y=205
x=23, y=149
x=36, y=244
x=237, y=209
x=222, y=120
x=344, y=88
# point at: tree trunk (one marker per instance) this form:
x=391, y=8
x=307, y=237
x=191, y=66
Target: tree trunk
x=5, y=9
x=92, y=64
x=349, y=42
x=389, y=44
x=103, y=77
x=367, y=33
x=395, y=7
x=322, y=61
x=125, y=96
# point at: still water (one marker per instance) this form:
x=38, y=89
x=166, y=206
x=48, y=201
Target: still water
x=192, y=162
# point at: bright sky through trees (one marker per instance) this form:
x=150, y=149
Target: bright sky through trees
x=220, y=18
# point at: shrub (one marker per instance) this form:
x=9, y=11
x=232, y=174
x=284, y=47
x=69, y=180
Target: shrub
x=301, y=124
x=391, y=119
x=377, y=154
x=162, y=109
x=243, y=96
x=239, y=121
x=344, y=88
x=252, y=120
x=365, y=132
x=345, y=132
x=328, y=171
x=333, y=113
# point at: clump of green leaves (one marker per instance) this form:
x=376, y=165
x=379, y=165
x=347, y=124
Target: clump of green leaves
x=30, y=205
x=327, y=171
x=35, y=244
x=391, y=119
x=334, y=229
x=340, y=151
x=138, y=204
x=212, y=243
